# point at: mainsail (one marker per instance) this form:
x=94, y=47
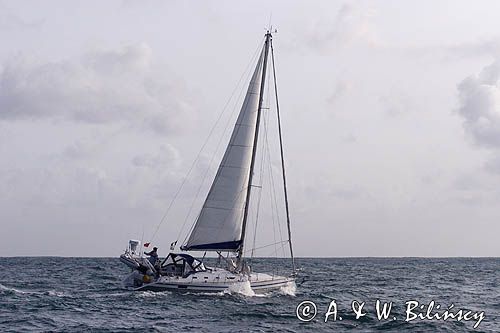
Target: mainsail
x=220, y=223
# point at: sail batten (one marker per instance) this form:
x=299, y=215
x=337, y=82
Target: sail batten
x=219, y=224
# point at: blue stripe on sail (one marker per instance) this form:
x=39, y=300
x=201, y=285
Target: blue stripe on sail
x=234, y=245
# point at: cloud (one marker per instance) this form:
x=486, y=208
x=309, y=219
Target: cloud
x=78, y=150
x=396, y=104
x=124, y=85
x=168, y=156
x=480, y=106
x=490, y=47
x=9, y=20
x=349, y=26
x=348, y=193
x=473, y=188
x=480, y=109
x=493, y=165
x=341, y=89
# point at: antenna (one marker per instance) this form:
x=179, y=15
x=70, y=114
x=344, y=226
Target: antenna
x=270, y=30
x=270, y=26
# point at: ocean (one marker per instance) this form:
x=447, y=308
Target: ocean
x=53, y=294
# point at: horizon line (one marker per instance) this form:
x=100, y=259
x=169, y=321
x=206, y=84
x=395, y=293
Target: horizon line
x=297, y=257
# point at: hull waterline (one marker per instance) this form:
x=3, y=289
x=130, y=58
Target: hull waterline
x=258, y=287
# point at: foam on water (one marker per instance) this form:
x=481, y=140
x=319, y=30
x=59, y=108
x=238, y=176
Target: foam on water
x=148, y=293
x=242, y=288
x=57, y=293
x=34, y=292
x=289, y=289
x=17, y=291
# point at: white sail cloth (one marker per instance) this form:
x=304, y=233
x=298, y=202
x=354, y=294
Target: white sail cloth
x=219, y=224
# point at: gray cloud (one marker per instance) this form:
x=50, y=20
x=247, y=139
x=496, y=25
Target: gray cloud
x=9, y=20
x=480, y=106
x=77, y=150
x=475, y=189
x=482, y=47
x=493, y=165
x=113, y=86
x=350, y=25
x=395, y=105
x=341, y=89
x=167, y=156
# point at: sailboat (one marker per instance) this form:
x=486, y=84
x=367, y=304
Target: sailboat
x=221, y=226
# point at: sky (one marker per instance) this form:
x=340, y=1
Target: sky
x=390, y=114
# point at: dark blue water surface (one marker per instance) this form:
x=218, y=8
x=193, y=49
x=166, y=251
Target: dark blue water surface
x=85, y=294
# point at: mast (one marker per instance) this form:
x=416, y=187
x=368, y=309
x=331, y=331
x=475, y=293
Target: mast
x=254, y=149
x=282, y=161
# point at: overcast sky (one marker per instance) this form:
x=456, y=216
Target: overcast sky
x=391, y=115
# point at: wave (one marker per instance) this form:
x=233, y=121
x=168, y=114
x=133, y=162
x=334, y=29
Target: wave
x=149, y=294
x=244, y=289
x=34, y=292
x=289, y=289
x=14, y=290
x=241, y=288
x=83, y=301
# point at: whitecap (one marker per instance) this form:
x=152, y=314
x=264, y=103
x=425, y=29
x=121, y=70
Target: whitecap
x=242, y=288
x=289, y=289
x=148, y=293
x=57, y=293
x=2, y=287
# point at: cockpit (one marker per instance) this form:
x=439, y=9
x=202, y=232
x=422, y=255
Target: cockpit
x=180, y=264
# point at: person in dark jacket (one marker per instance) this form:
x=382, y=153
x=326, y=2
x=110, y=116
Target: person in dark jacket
x=153, y=256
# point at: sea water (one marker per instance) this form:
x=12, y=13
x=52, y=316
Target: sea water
x=50, y=294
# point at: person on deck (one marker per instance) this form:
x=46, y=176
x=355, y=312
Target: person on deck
x=153, y=256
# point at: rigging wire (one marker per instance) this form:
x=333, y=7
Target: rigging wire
x=272, y=192
x=271, y=174
x=285, y=192
x=267, y=162
x=265, y=246
x=261, y=181
x=263, y=161
x=271, y=189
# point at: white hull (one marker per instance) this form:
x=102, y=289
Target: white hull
x=173, y=284
x=212, y=280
